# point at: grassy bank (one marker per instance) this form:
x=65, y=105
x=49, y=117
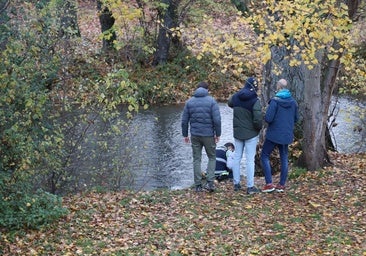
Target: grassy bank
x=321, y=213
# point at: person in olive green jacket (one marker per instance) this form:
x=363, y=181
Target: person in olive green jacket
x=247, y=123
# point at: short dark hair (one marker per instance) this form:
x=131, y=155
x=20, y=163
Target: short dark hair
x=229, y=144
x=203, y=85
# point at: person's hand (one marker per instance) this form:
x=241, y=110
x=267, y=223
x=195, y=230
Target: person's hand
x=217, y=139
x=186, y=140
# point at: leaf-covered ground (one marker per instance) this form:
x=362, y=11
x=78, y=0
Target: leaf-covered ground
x=321, y=213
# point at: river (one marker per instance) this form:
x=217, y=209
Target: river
x=168, y=160
x=154, y=152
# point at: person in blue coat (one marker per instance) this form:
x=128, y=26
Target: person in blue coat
x=201, y=116
x=281, y=116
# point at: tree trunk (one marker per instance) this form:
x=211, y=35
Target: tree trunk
x=315, y=116
x=168, y=17
x=313, y=90
x=69, y=24
x=3, y=19
x=106, y=22
x=242, y=6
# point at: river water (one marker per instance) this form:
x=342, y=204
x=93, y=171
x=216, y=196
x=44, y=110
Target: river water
x=154, y=153
x=349, y=131
x=166, y=161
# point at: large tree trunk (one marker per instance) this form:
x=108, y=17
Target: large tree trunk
x=169, y=20
x=106, y=20
x=315, y=117
x=313, y=89
x=319, y=88
x=3, y=18
x=69, y=20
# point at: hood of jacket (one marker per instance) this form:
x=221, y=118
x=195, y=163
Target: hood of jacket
x=247, y=94
x=245, y=98
x=200, y=92
x=284, y=98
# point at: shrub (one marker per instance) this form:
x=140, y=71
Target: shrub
x=20, y=208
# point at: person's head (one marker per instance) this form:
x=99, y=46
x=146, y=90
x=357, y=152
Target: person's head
x=229, y=146
x=251, y=84
x=203, y=85
x=281, y=84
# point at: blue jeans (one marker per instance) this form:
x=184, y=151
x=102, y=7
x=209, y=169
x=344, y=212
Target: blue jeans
x=250, y=147
x=267, y=149
x=209, y=144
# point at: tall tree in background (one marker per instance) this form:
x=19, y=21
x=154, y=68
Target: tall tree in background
x=106, y=22
x=168, y=19
x=69, y=19
x=3, y=18
x=241, y=5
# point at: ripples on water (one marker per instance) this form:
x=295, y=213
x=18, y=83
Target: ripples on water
x=167, y=160
x=160, y=159
x=349, y=132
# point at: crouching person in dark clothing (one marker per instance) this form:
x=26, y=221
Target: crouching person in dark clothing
x=224, y=162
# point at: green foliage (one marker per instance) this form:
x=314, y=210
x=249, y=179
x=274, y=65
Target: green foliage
x=27, y=131
x=52, y=103
x=353, y=72
x=297, y=172
x=20, y=208
x=175, y=81
x=353, y=75
x=25, y=113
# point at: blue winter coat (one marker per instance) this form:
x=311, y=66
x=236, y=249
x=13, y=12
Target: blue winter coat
x=202, y=114
x=281, y=116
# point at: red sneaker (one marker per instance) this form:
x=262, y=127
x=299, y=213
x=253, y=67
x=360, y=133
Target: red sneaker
x=268, y=188
x=280, y=188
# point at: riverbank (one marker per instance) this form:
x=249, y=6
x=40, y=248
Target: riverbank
x=321, y=213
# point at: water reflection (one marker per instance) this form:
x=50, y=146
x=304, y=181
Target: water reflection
x=152, y=148
x=167, y=160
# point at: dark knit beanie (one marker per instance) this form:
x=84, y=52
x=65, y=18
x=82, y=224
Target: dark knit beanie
x=251, y=83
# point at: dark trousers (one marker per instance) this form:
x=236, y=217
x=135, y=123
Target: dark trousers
x=267, y=149
x=209, y=144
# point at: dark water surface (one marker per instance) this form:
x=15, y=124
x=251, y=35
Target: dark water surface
x=166, y=161
x=349, y=132
x=159, y=158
